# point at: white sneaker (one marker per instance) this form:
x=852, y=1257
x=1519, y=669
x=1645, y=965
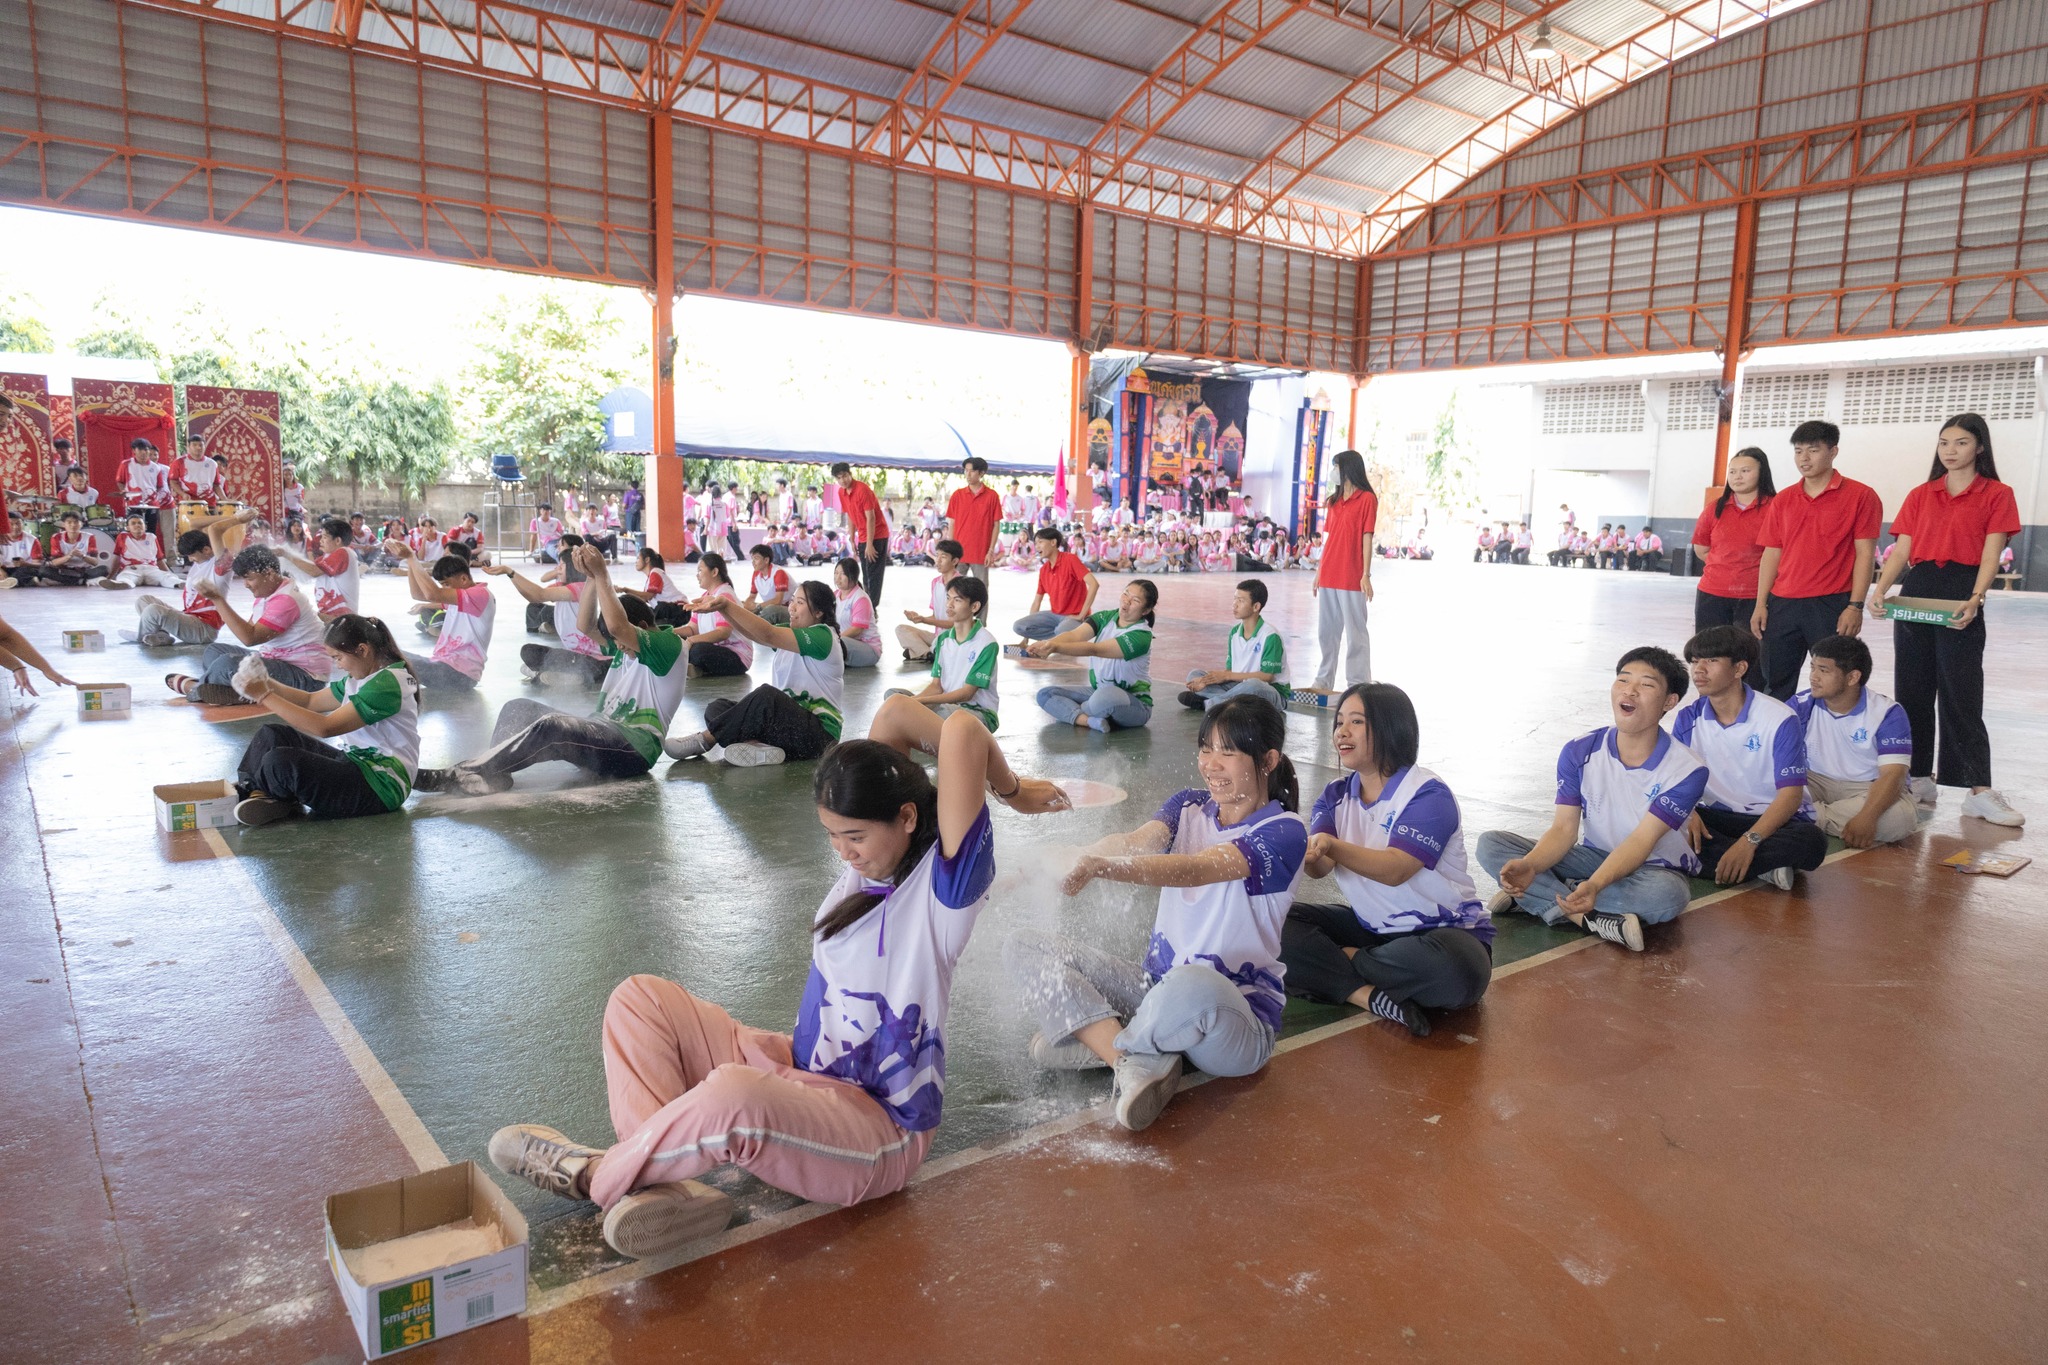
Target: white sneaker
x=1925, y=793
x=542, y=1157
x=1988, y=805
x=752, y=753
x=1780, y=877
x=661, y=1218
x=129, y=636
x=1145, y=1081
x=1499, y=903
x=688, y=746
x=1072, y=1055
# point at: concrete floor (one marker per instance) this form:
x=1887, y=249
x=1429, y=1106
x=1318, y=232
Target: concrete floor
x=185, y=1101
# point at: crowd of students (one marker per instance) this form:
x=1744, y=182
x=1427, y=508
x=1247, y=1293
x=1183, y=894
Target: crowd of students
x=1745, y=781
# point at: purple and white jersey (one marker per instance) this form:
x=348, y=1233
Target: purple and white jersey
x=1614, y=797
x=1852, y=746
x=1417, y=815
x=1750, y=759
x=1232, y=927
x=874, y=1010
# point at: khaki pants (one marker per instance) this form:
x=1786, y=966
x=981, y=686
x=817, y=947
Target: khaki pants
x=1836, y=803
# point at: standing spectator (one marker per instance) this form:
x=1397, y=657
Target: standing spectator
x=1343, y=584
x=971, y=516
x=1819, y=541
x=1725, y=539
x=868, y=528
x=629, y=508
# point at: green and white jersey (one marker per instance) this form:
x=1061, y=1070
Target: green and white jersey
x=1133, y=671
x=1263, y=651
x=642, y=692
x=387, y=748
x=970, y=662
x=814, y=673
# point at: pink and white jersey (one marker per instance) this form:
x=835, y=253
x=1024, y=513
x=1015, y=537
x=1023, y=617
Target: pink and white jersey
x=712, y=620
x=1614, y=797
x=1857, y=744
x=545, y=532
x=465, y=638
x=298, y=630
x=136, y=552
x=211, y=573
x=565, y=624
x=772, y=586
x=145, y=483
x=939, y=583
x=662, y=588
x=338, y=586
x=857, y=619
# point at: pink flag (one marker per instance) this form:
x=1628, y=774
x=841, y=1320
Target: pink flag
x=1059, y=486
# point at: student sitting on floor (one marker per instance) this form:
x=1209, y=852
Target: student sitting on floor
x=1254, y=657
x=1209, y=990
x=768, y=591
x=280, y=626
x=289, y=769
x=1755, y=820
x=916, y=642
x=76, y=556
x=623, y=737
x=337, y=573
x=1118, y=647
x=195, y=620
x=578, y=658
x=855, y=614
x=467, y=611
x=843, y=1109
x=138, y=558
x=796, y=713
x=1615, y=856
x=663, y=592
x=963, y=673
x=21, y=554
x=1859, y=748
x=1066, y=589
x=715, y=651
x=1413, y=935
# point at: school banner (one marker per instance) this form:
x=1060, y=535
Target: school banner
x=238, y=427
x=1311, y=431
x=111, y=413
x=1197, y=429
x=27, y=459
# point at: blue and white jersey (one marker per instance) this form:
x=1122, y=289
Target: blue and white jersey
x=874, y=1009
x=1852, y=746
x=1417, y=815
x=1750, y=759
x=1614, y=797
x=1232, y=927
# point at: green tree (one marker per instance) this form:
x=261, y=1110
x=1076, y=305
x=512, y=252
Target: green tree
x=22, y=327
x=119, y=342
x=1447, y=463
x=534, y=388
x=381, y=431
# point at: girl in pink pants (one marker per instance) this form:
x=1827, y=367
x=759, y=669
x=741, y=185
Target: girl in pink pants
x=844, y=1109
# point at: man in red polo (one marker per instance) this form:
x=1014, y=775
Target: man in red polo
x=867, y=528
x=1065, y=589
x=1819, y=541
x=971, y=517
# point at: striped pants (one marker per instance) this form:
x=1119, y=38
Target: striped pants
x=692, y=1088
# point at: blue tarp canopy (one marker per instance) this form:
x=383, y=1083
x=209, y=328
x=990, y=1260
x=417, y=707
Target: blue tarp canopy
x=718, y=427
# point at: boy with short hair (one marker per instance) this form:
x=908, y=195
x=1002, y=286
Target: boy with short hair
x=1066, y=588
x=77, y=492
x=1755, y=820
x=21, y=554
x=138, y=561
x=1255, y=657
x=1819, y=539
x=76, y=556
x=1859, y=748
x=917, y=642
x=768, y=591
x=544, y=534
x=195, y=620
x=1615, y=856
x=280, y=626
x=468, y=611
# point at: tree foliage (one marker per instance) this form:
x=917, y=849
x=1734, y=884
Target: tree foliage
x=534, y=388
x=22, y=327
x=1447, y=463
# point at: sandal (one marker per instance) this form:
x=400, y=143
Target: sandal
x=180, y=683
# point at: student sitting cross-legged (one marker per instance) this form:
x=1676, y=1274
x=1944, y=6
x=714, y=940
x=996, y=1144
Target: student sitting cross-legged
x=1254, y=656
x=1118, y=647
x=1615, y=856
x=917, y=641
x=963, y=671
x=373, y=708
x=580, y=657
x=1412, y=935
x=1859, y=748
x=467, y=612
x=1755, y=820
x=1209, y=990
x=623, y=738
x=280, y=626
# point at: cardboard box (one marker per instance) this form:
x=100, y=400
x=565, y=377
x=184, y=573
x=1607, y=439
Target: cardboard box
x=428, y=1302
x=104, y=699
x=196, y=805
x=85, y=642
x=1925, y=611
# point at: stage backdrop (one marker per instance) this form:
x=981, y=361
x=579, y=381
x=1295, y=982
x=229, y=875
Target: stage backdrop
x=111, y=413
x=238, y=427
x=1197, y=428
x=1311, y=433
x=27, y=461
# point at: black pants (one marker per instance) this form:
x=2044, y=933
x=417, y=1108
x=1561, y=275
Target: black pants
x=1938, y=674
x=767, y=715
x=1796, y=843
x=74, y=575
x=289, y=766
x=871, y=570
x=552, y=659
x=540, y=618
x=669, y=613
x=1444, y=968
x=716, y=661
x=1795, y=626
x=435, y=676
x=529, y=732
x=1710, y=610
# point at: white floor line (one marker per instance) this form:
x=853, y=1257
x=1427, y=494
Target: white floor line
x=419, y=1143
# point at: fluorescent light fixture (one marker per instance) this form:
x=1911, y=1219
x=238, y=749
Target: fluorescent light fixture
x=1542, y=50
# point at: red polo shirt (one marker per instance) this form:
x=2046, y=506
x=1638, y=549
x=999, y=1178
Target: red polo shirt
x=1345, y=524
x=1064, y=583
x=1950, y=528
x=1731, y=569
x=1816, y=537
x=974, y=517
x=857, y=500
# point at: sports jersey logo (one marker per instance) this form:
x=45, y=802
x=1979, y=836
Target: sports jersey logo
x=1754, y=744
x=1656, y=790
x=1861, y=735
x=1387, y=824
x=1414, y=835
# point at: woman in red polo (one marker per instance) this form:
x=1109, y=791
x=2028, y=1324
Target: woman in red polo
x=1725, y=539
x=1344, y=581
x=1950, y=533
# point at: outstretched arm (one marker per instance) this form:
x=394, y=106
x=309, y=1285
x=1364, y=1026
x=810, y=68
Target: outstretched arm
x=754, y=628
x=318, y=713
x=528, y=589
x=15, y=651
x=598, y=596
x=1139, y=859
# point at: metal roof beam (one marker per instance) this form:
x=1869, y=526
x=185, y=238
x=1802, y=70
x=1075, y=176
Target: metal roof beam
x=967, y=38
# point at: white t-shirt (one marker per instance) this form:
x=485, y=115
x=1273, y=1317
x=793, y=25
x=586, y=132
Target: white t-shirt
x=813, y=674
x=1614, y=797
x=874, y=1010
x=1263, y=652
x=1855, y=745
x=545, y=531
x=565, y=624
x=1751, y=759
x=387, y=747
x=1231, y=927
x=712, y=620
x=465, y=639
x=205, y=572
x=661, y=586
x=971, y=662
x=1417, y=815
x=298, y=630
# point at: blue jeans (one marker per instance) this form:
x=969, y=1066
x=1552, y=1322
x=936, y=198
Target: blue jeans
x=1107, y=702
x=1043, y=625
x=1652, y=894
x=1250, y=687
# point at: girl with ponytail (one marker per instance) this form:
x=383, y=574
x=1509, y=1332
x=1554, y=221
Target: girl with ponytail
x=1225, y=857
x=289, y=769
x=842, y=1108
x=1413, y=934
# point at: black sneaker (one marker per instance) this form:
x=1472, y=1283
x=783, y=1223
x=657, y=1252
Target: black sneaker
x=1403, y=1012
x=1194, y=701
x=259, y=809
x=430, y=779
x=1626, y=930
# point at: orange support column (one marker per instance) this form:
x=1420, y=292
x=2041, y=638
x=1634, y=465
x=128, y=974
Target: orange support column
x=1735, y=337
x=664, y=511
x=1083, y=490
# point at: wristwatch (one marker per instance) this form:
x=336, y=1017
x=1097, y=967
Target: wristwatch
x=1754, y=838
